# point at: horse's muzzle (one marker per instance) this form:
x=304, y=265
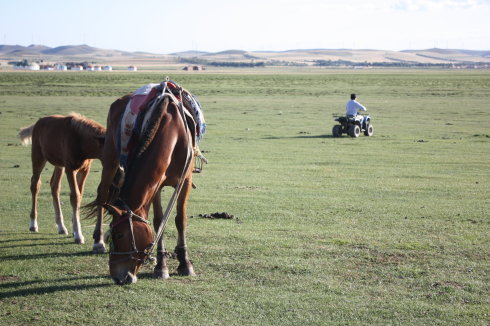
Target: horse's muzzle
x=129, y=278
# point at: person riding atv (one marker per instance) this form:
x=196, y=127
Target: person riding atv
x=352, y=107
x=353, y=122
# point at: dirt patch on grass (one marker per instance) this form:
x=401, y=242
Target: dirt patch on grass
x=217, y=215
x=7, y=278
x=448, y=284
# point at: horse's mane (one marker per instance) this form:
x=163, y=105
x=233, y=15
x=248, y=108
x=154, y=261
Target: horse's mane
x=150, y=132
x=86, y=127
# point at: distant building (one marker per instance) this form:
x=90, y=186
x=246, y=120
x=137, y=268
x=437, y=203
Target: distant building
x=98, y=68
x=33, y=66
x=90, y=68
x=107, y=68
x=61, y=67
x=193, y=68
x=132, y=68
x=76, y=68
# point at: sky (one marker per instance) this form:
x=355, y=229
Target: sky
x=163, y=26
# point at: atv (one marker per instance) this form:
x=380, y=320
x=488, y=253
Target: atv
x=353, y=126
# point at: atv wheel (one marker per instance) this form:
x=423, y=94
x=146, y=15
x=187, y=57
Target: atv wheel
x=354, y=131
x=369, y=131
x=337, y=131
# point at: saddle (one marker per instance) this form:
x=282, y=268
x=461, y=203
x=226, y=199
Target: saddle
x=140, y=113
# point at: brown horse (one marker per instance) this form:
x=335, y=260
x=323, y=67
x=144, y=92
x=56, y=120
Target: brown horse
x=70, y=143
x=166, y=158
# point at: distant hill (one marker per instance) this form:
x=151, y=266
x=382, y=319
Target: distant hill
x=38, y=47
x=10, y=48
x=452, y=52
x=309, y=56
x=238, y=57
x=70, y=50
x=187, y=54
x=231, y=52
x=63, y=51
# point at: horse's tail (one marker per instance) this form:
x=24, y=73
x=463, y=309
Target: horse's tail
x=25, y=135
x=90, y=210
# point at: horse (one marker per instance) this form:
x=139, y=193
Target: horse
x=70, y=143
x=163, y=157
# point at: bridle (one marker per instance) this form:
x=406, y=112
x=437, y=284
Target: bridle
x=133, y=252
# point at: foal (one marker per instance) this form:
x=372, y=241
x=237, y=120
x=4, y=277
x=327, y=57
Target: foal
x=70, y=143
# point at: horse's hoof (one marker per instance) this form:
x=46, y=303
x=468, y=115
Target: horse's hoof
x=98, y=248
x=161, y=274
x=186, y=271
x=33, y=226
x=63, y=231
x=79, y=240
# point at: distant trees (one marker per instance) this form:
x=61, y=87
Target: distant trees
x=397, y=64
x=234, y=64
x=22, y=63
x=237, y=64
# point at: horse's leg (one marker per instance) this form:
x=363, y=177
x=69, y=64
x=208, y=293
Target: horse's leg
x=38, y=163
x=110, y=165
x=55, y=184
x=82, y=174
x=98, y=235
x=161, y=268
x=75, y=199
x=98, y=247
x=185, y=266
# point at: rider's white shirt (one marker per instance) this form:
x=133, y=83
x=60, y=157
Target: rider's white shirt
x=353, y=106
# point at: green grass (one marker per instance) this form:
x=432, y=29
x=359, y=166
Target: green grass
x=386, y=230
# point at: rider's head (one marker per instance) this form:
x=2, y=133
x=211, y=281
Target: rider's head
x=353, y=96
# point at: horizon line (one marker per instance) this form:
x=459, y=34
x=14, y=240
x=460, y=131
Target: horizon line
x=258, y=51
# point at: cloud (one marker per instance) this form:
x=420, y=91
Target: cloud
x=422, y=5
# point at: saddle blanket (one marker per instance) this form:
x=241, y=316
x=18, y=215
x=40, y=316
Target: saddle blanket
x=142, y=96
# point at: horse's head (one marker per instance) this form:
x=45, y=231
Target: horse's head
x=91, y=135
x=130, y=238
x=99, y=145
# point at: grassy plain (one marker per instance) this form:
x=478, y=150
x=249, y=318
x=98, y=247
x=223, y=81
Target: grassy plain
x=387, y=230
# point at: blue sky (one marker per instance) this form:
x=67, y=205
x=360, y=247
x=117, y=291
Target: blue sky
x=163, y=26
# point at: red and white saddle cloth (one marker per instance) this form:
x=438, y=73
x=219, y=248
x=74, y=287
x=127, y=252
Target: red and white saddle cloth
x=136, y=105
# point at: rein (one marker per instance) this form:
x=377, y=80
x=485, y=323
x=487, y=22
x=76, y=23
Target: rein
x=130, y=215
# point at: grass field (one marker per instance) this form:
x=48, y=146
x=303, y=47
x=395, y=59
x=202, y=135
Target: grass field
x=387, y=230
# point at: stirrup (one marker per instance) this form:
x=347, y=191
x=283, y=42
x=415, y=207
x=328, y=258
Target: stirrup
x=199, y=160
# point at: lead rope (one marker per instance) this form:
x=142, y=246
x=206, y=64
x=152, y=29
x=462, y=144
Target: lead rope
x=177, y=190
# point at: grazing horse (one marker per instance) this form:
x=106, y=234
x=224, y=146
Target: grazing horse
x=70, y=143
x=164, y=156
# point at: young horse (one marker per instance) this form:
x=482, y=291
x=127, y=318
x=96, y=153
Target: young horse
x=70, y=143
x=166, y=158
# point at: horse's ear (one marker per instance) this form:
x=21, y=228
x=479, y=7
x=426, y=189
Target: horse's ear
x=113, y=210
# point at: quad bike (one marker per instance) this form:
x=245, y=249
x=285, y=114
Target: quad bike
x=353, y=126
